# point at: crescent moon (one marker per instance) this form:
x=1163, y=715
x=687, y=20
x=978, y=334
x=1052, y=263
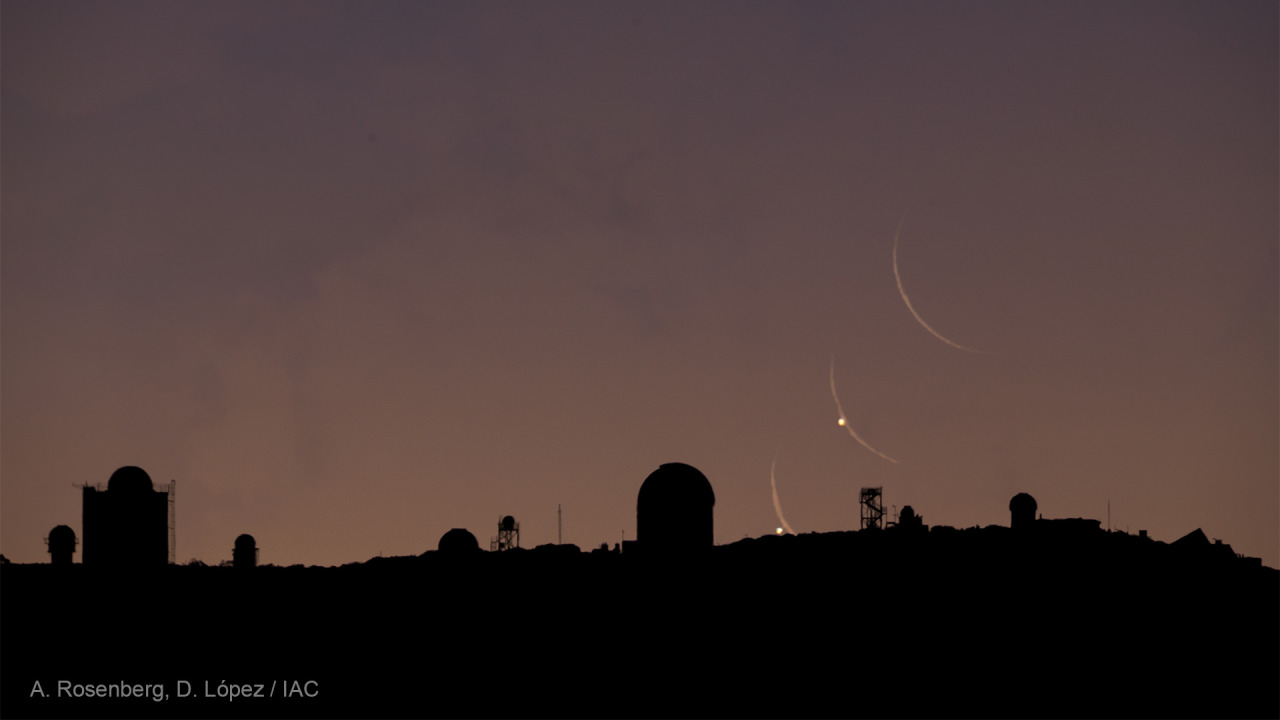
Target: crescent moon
x=777, y=506
x=844, y=421
x=907, y=300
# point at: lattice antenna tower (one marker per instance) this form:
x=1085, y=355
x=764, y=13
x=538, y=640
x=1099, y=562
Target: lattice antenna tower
x=508, y=535
x=871, y=499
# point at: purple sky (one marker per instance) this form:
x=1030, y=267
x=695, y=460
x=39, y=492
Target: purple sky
x=356, y=274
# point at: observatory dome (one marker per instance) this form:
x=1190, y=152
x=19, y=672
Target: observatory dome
x=62, y=544
x=245, y=552
x=458, y=540
x=677, y=482
x=129, y=479
x=674, y=508
x=62, y=534
x=508, y=523
x=1022, y=510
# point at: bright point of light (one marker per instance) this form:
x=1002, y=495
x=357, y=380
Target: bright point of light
x=779, y=531
x=840, y=422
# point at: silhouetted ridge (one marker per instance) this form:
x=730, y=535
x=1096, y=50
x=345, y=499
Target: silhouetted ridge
x=1052, y=617
x=1065, y=619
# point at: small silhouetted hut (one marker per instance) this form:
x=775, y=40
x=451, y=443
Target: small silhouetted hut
x=458, y=541
x=674, y=511
x=62, y=545
x=245, y=552
x=1022, y=511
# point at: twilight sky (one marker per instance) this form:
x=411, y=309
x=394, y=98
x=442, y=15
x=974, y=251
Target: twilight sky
x=355, y=274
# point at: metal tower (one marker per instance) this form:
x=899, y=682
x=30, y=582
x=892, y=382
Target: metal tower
x=872, y=501
x=508, y=535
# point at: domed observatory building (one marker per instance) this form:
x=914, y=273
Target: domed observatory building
x=244, y=554
x=1022, y=512
x=458, y=541
x=674, y=512
x=62, y=545
x=128, y=522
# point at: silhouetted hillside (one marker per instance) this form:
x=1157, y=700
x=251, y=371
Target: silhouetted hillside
x=1060, y=619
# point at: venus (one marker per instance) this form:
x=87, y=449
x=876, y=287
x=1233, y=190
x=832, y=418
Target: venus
x=844, y=421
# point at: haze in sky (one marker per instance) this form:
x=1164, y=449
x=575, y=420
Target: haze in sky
x=356, y=274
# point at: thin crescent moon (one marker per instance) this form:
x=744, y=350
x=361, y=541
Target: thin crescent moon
x=777, y=506
x=844, y=421
x=907, y=300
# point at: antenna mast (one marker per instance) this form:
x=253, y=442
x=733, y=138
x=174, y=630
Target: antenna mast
x=559, y=526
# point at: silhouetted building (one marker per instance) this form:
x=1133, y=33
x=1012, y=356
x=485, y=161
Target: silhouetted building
x=245, y=552
x=1022, y=511
x=1194, y=539
x=908, y=520
x=458, y=540
x=62, y=545
x=129, y=522
x=1196, y=544
x=674, y=511
x=508, y=535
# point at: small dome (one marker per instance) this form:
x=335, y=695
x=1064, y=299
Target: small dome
x=245, y=552
x=1022, y=502
x=62, y=537
x=60, y=533
x=62, y=544
x=458, y=540
x=508, y=523
x=1022, y=511
x=907, y=515
x=129, y=479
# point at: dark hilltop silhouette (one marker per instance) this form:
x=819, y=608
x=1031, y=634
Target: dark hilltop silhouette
x=1044, y=618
